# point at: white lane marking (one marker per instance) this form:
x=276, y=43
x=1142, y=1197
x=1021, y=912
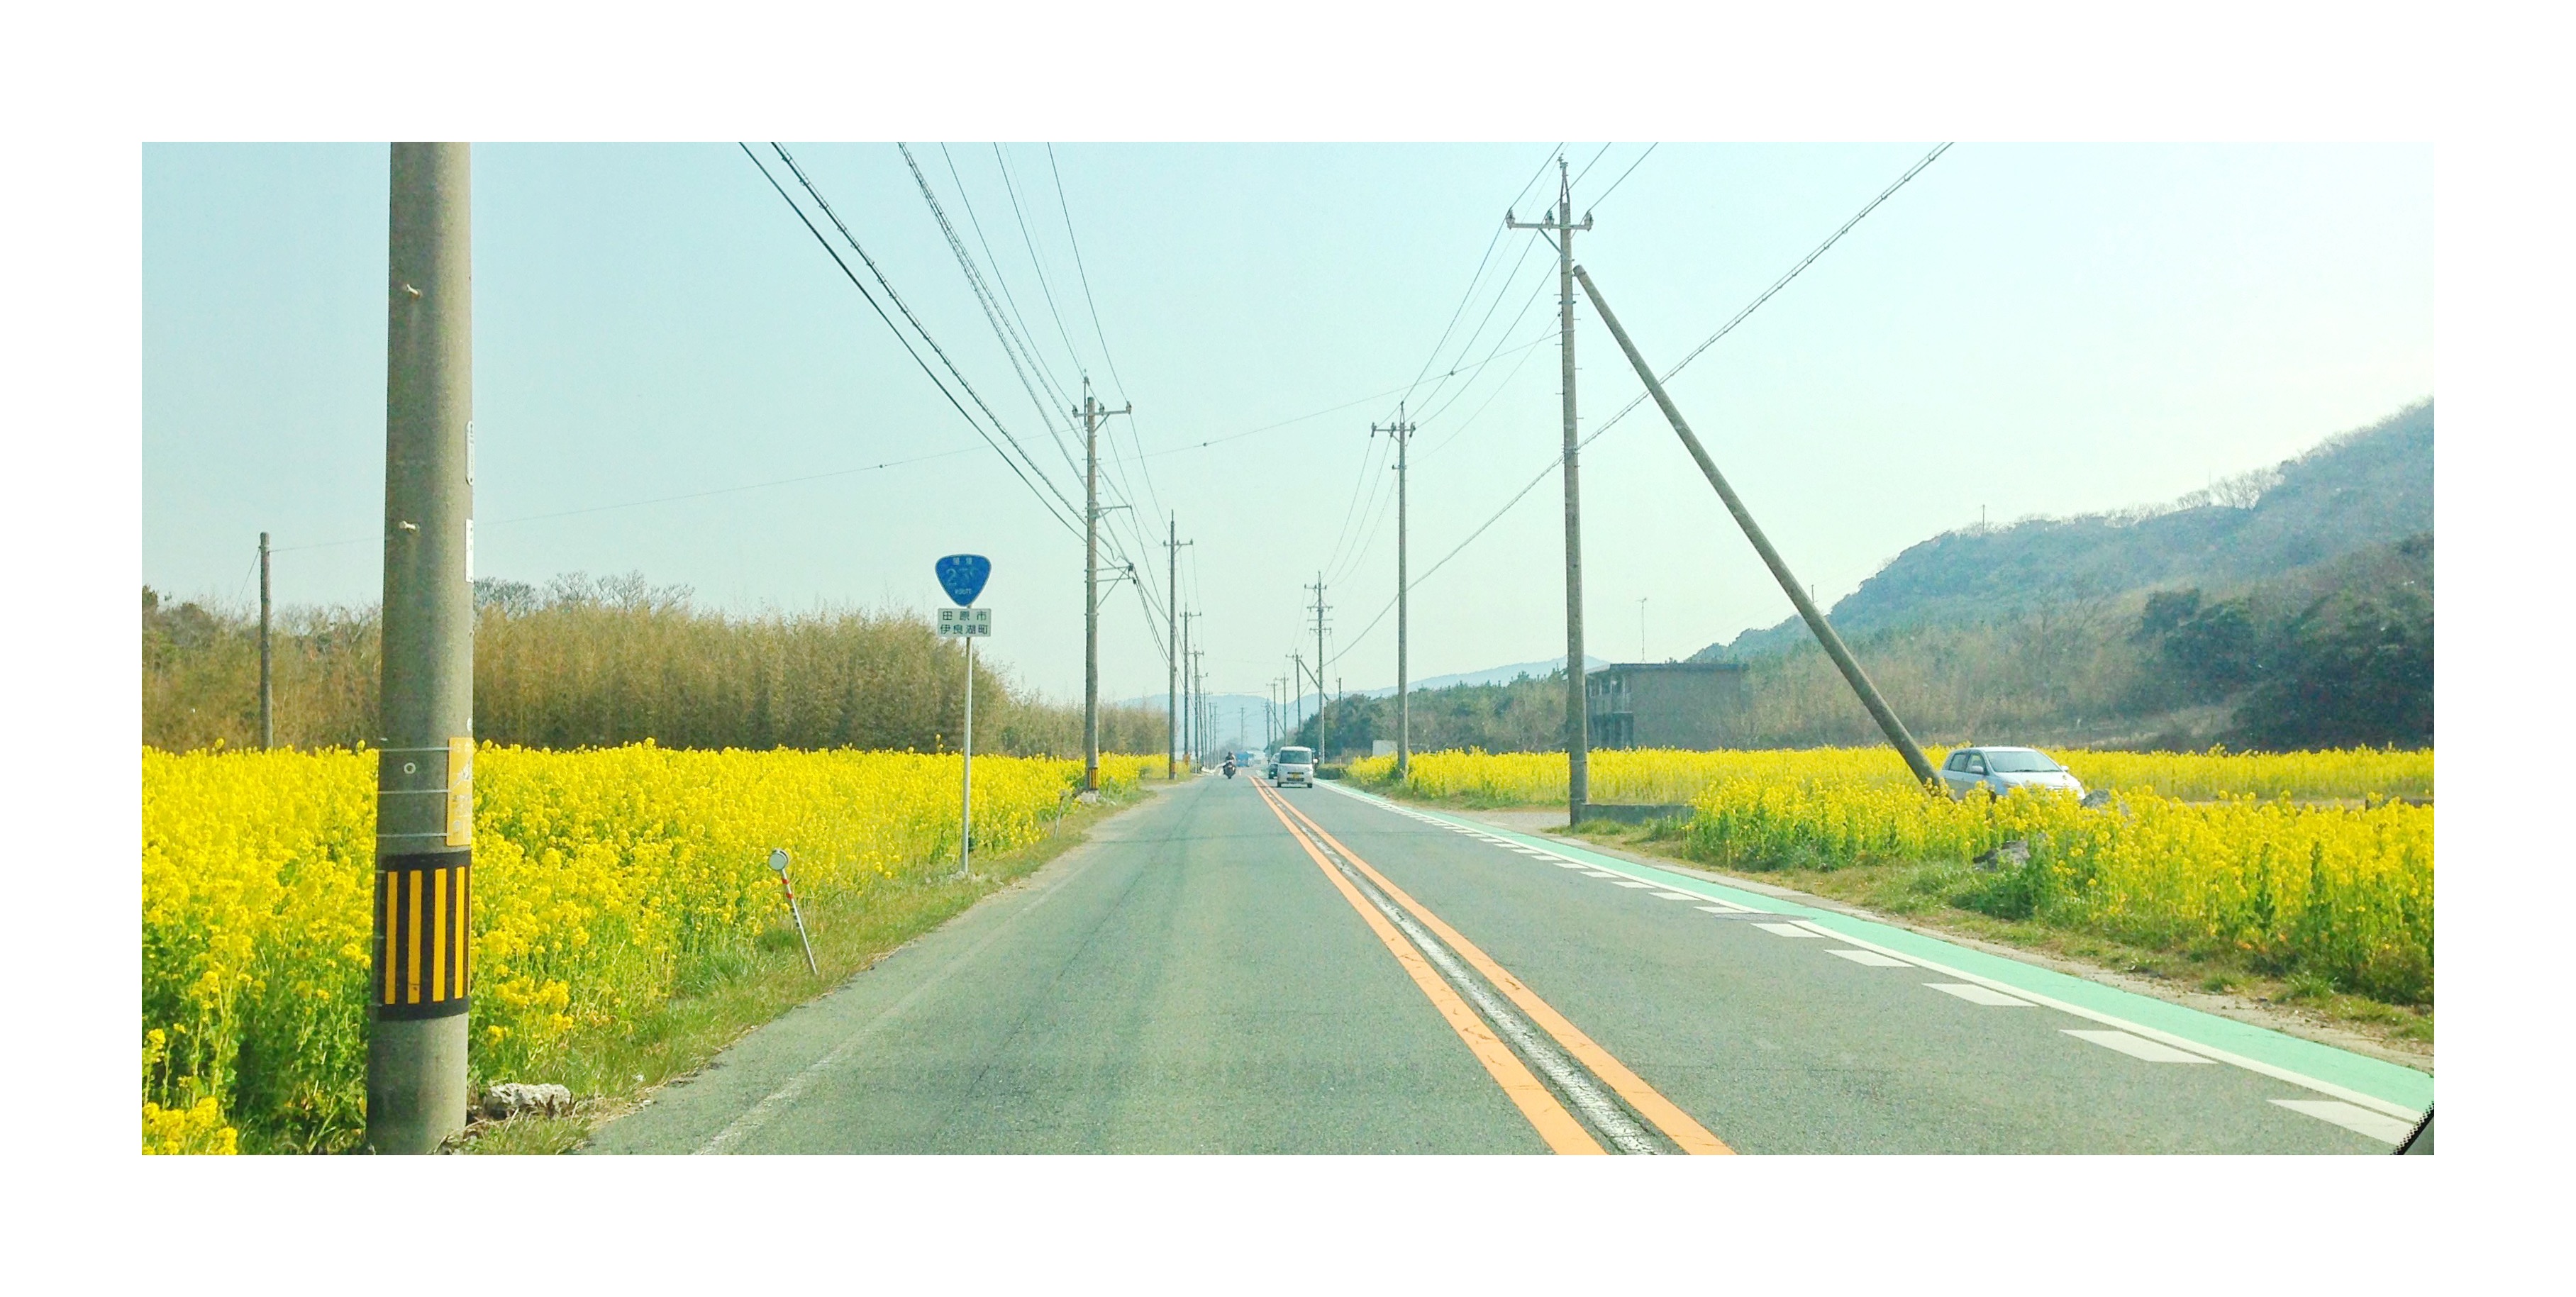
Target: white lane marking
x=2213, y=1053
x=1628, y=882
x=1871, y=958
x=1675, y=896
x=1975, y=994
x=1602, y=873
x=1572, y=864
x=2135, y=1046
x=2387, y=1130
x=1786, y=930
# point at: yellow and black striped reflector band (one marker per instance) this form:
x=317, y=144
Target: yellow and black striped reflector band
x=424, y=919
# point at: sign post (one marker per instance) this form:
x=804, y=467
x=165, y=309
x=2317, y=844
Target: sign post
x=963, y=577
x=778, y=861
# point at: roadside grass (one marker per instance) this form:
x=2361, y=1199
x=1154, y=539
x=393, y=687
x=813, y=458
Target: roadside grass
x=609, y=1070
x=1928, y=894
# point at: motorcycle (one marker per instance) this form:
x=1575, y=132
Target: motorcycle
x=1229, y=770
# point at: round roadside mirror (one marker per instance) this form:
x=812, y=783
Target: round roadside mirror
x=778, y=859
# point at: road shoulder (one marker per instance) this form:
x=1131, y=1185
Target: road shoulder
x=691, y=1035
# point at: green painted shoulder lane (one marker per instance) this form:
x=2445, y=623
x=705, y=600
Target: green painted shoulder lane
x=2364, y=1078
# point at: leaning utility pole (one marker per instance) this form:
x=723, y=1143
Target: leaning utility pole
x=1403, y=434
x=267, y=701
x=1172, y=652
x=1799, y=595
x=1323, y=734
x=416, y=1087
x=1092, y=413
x=1578, y=711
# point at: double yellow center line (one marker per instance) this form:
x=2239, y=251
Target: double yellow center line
x=1562, y=1131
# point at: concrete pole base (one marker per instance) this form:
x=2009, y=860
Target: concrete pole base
x=416, y=1086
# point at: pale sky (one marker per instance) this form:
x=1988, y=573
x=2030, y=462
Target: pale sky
x=2022, y=329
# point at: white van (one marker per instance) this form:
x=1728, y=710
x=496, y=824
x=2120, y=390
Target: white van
x=1295, y=766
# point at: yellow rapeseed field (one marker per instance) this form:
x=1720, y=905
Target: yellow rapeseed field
x=601, y=878
x=1678, y=778
x=2203, y=852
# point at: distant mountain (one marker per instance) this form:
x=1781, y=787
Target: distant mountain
x=2369, y=487
x=1501, y=675
x=1488, y=676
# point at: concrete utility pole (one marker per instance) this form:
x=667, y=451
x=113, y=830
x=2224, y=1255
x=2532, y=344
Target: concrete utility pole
x=1297, y=693
x=1092, y=413
x=1173, y=545
x=1578, y=712
x=267, y=700
x=1403, y=434
x=1798, y=594
x=416, y=1087
x=1189, y=696
x=1323, y=734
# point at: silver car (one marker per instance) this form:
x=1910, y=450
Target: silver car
x=2003, y=769
x=1294, y=766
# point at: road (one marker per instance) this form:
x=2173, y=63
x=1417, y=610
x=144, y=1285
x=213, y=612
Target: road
x=1230, y=968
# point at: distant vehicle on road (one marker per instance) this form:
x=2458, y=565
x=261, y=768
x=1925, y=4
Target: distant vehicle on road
x=1294, y=766
x=1272, y=770
x=2003, y=769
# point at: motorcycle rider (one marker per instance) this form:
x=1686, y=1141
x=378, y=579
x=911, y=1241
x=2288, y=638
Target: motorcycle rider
x=1229, y=765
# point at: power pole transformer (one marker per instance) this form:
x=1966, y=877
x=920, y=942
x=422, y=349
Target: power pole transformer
x=1561, y=225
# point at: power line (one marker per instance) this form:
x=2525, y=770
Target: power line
x=898, y=334
x=1055, y=390
x=1010, y=187
x=1525, y=351
x=1722, y=331
x=1778, y=284
x=1011, y=345
x=1109, y=358
x=1596, y=161
x=1118, y=551
x=1472, y=281
x=1503, y=290
x=1623, y=176
x=917, y=325
x=1089, y=302
x=1537, y=287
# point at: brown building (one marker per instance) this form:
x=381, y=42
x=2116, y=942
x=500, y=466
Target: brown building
x=1664, y=704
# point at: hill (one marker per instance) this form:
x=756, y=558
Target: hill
x=2366, y=488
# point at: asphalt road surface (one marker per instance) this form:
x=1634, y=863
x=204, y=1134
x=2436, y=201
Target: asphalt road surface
x=1233, y=968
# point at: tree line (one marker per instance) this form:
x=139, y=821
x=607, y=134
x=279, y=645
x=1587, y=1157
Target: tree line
x=599, y=662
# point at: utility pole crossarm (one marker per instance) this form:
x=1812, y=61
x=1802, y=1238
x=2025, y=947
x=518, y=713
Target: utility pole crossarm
x=1897, y=735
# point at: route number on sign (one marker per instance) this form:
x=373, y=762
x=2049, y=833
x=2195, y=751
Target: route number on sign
x=965, y=621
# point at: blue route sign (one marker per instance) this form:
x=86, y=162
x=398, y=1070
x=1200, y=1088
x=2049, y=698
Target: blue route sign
x=964, y=575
